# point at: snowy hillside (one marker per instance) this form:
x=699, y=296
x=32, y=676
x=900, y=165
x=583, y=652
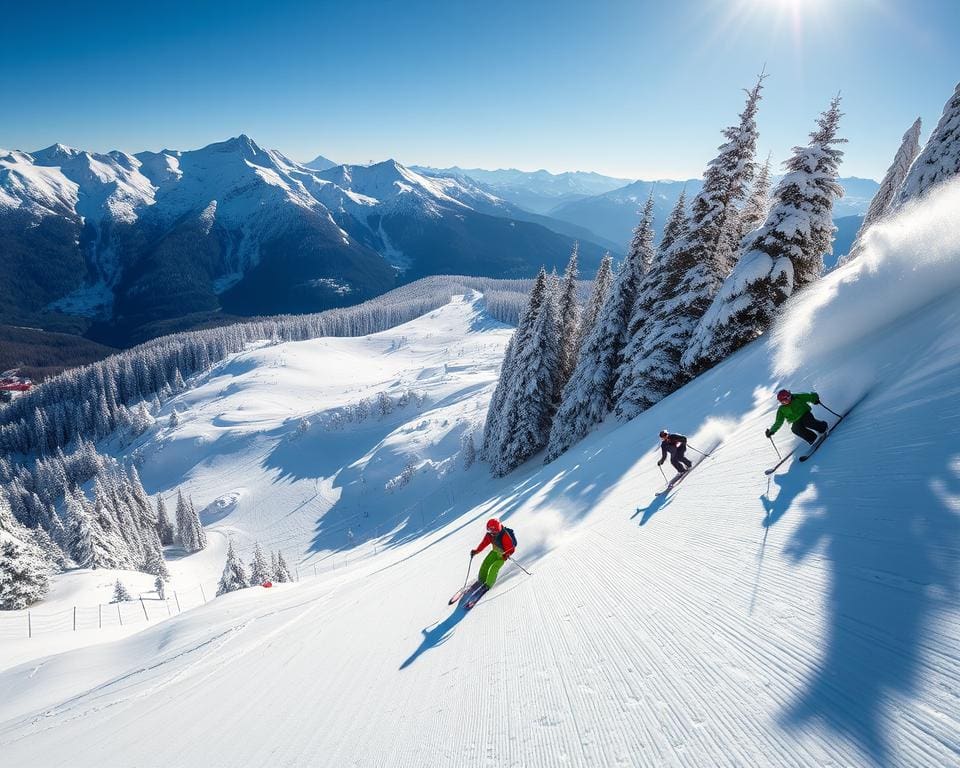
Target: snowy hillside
x=806, y=619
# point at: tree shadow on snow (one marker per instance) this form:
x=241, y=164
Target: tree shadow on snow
x=890, y=576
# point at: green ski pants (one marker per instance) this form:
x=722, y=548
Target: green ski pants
x=490, y=567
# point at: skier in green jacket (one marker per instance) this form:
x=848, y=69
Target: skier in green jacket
x=795, y=408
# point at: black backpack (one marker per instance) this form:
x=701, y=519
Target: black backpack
x=512, y=534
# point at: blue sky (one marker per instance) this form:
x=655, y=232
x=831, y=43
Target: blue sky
x=635, y=89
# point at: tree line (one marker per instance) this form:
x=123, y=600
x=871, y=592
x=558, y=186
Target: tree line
x=719, y=277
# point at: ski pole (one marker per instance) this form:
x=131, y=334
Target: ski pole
x=663, y=473
x=513, y=560
x=775, y=448
x=830, y=409
x=708, y=455
x=469, y=563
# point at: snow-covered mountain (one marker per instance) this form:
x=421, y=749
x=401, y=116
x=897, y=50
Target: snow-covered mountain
x=320, y=163
x=613, y=214
x=153, y=242
x=805, y=619
x=535, y=191
x=443, y=224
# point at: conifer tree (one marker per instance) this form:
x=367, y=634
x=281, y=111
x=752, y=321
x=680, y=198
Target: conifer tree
x=602, y=284
x=892, y=181
x=629, y=394
x=234, y=576
x=588, y=395
x=569, y=319
x=530, y=402
x=784, y=255
x=492, y=425
x=24, y=576
x=696, y=265
x=120, y=593
x=164, y=527
x=282, y=573
x=755, y=210
x=259, y=568
x=940, y=158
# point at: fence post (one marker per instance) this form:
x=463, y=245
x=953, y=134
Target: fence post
x=167, y=601
x=99, y=615
x=144, y=606
x=203, y=594
x=29, y=625
x=314, y=569
x=178, y=601
x=119, y=615
x=74, y=618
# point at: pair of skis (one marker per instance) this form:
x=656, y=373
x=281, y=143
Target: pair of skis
x=473, y=593
x=678, y=478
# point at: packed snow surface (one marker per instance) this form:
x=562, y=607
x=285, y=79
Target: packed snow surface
x=806, y=619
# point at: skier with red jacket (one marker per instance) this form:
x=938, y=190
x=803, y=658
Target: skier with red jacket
x=503, y=544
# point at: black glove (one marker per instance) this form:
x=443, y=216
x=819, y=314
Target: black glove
x=660, y=463
x=768, y=433
x=473, y=553
x=816, y=399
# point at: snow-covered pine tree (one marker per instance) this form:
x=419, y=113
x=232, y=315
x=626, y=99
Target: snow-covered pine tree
x=120, y=593
x=174, y=421
x=234, y=576
x=24, y=576
x=282, y=573
x=892, y=181
x=602, y=284
x=259, y=568
x=468, y=451
x=164, y=527
x=492, y=425
x=659, y=280
x=158, y=568
x=569, y=318
x=784, y=255
x=755, y=210
x=940, y=158
x=273, y=566
x=530, y=402
x=709, y=251
x=197, y=536
x=588, y=396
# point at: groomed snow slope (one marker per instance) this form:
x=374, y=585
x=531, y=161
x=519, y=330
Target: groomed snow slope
x=806, y=620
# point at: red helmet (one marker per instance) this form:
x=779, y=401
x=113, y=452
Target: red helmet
x=493, y=525
x=784, y=396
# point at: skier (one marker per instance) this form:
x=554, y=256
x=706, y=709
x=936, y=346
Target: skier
x=795, y=408
x=676, y=446
x=503, y=542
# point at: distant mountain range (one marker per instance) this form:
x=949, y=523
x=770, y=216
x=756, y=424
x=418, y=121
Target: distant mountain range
x=613, y=215
x=535, y=191
x=124, y=247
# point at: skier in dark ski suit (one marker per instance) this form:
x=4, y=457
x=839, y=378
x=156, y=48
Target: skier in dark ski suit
x=676, y=446
x=795, y=408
